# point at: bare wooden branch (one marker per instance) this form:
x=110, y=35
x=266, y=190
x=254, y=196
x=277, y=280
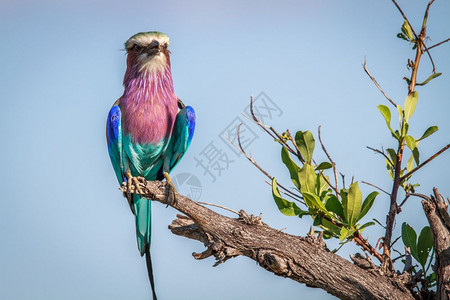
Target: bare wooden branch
x=438, y=44
x=382, y=153
x=241, y=149
x=376, y=83
x=424, y=163
x=390, y=218
x=373, y=185
x=436, y=211
x=303, y=259
x=271, y=131
x=336, y=189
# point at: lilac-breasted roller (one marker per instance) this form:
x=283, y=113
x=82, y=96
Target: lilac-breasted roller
x=147, y=134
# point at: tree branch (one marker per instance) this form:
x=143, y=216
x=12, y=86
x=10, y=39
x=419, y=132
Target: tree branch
x=424, y=163
x=438, y=44
x=436, y=211
x=303, y=259
x=332, y=163
x=377, y=85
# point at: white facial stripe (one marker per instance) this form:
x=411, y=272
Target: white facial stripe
x=152, y=64
x=144, y=40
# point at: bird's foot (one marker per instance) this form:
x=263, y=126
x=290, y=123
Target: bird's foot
x=134, y=183
x=172, y=199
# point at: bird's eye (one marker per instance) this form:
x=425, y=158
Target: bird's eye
x=165, y=45
x=136, y=47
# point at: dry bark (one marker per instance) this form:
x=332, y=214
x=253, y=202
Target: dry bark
x=303, y=259
x=436, y=210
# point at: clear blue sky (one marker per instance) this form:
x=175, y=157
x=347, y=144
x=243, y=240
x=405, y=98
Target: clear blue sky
x=66, y=231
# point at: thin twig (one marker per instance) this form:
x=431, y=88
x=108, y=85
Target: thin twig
x=424, y=163
x=420, y=196
x=368, y=183
x=299, y=155
x=377, y=85
x=404, y=200
x=358, y=238
x=438, y=44
x=220, y=206
x=332, y=163
x=292, y=195
x=343, y=179
x=274, y=134
x=401, y=256
x=241, y=149
x=246, y=155
x=382, y=153
x=424, y=28
x=404, y=17
x=419, y=40
x=395, y=241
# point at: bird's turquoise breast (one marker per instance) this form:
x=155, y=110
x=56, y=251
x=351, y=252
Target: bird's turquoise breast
x=144, y=159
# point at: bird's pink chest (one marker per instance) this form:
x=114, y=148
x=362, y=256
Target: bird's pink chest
x=150, y=120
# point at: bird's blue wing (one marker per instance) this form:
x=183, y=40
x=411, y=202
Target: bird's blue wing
x=114, y=139
x=181, y=138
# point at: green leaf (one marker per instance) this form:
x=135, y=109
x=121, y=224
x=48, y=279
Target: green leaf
x=392, y=155
x=402, y=36
x=390, y=169
x=367, y=204
x=327, y=225
x=312, y=200
x=416, y=156
x=291, y=165
x=352, y=204
x=431, y=77
x=431, y=277
x=410, y=105
x=332, y=204
x=362, y=227
x=343, y=233
x=410, y=142
x=400, y=113
x=324, y=165
x=321, y=185
x=406, y=29
x=305, y=143
x=409, y=237
x=286, y=207
x=424, y=245
x=307, y=178
x=410, y=164
x=429, y=132
x=379, y=223
x=387, y=115
x=405, y=129
x=317, y=220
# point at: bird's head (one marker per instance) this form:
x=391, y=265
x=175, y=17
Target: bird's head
x=147, y=51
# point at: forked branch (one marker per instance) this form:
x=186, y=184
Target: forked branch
x=303, y=259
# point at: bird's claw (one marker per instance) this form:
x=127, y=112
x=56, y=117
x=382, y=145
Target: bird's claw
x=134, y=182
x=172, y=199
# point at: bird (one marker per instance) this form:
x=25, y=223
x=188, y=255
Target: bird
x=148, y=129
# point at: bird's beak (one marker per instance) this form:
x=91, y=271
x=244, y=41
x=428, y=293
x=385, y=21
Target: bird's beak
x=153, y=48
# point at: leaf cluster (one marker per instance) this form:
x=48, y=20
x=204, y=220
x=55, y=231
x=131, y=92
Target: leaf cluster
x=337, y=214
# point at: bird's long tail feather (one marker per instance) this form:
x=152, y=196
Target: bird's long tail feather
x=148, y=260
